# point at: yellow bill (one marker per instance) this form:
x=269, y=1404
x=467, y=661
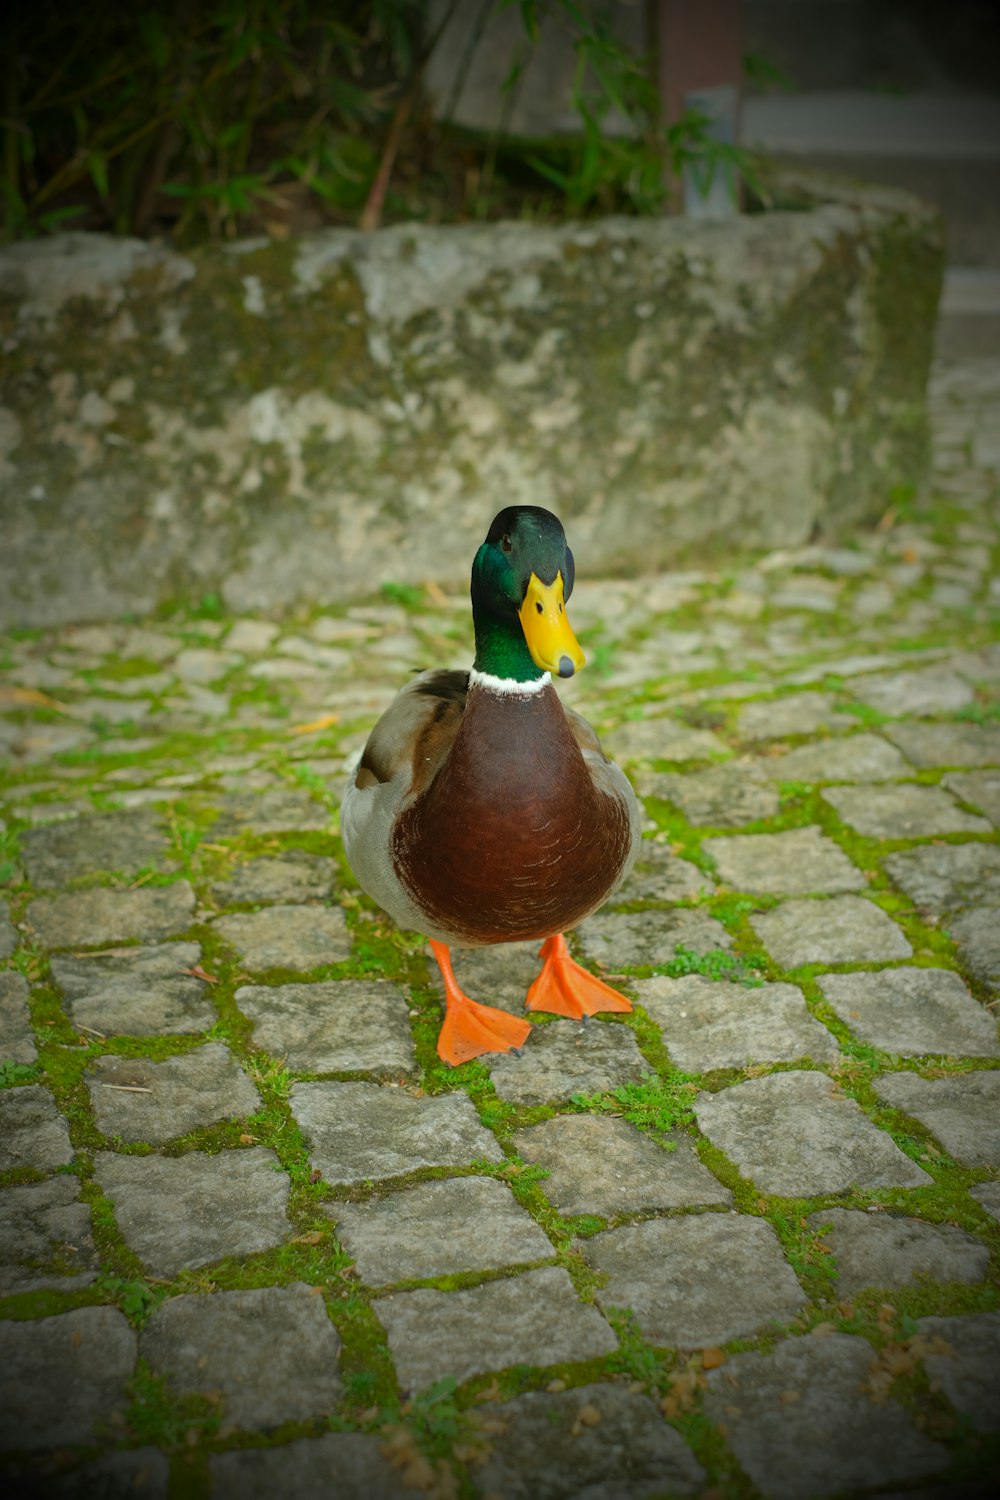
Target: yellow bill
x=552, y=644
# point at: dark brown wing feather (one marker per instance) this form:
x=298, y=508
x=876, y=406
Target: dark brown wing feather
x=582, y=731
x=417, y=729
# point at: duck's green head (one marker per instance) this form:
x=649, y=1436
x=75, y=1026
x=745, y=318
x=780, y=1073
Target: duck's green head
x=521, y=578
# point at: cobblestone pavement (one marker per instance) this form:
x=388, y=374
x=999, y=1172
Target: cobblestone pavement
x=743, y=1242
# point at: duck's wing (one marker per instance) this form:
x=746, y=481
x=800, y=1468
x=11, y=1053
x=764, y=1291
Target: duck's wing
x=610, y=779
x=416, y=732
x=404, y=752
x=584, y=733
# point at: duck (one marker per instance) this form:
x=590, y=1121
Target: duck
x=482, y=810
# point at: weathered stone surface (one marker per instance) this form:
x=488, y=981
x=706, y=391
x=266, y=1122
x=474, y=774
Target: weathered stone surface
x=86, y=919
x=119, y=1475
x=287, y=937
x=17, y=1040
x=842, y=929
x=135, y=1099
x=968, y=1376
x=32, y=1131
x=271, y=1353
x=939, y=877
x=902, y=811
x=660, y=875
x=8, y=933
x=123, y=841
x=357, y=1131
x=567, y=1058
x=437, y=1228
x=855, y=757
x=636, y=939
x=977, y=935
x=662, y=739
x=988, y=1194
x=45, y=1238
x=802, y=713
x=795, y=1135
x=926, y=691
x=888, y=1250
x=347, y=1464
x=532, y=1319
x=803, y=1428
x=346, y=1025
x=137, y=991
x=605, y=1166
x=651, y=1270
x=913, y=1011
x=548, y=1453
x=192, y=1209
x=534, y=302
x=726, y=796
x=296, y=876
x=283, y=810
x=962, y=1112
x=63, y=1378
x=958, y=743
x=794, y=863
x=981, y=789
x=714, y=1024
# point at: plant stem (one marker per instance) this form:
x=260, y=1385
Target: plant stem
x=371, y=214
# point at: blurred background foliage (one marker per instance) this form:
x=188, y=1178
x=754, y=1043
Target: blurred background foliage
x=193, y=120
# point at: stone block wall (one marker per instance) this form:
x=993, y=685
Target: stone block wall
x=289, y=422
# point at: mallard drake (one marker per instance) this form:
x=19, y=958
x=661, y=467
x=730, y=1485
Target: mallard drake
x=482, y=811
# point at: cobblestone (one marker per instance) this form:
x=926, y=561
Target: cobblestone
x=962, y=1112
x=784, y=864
x=707, y=1025
x=346, y=1026
x=298, y=1380
x=844, y=929
x=185, y=1211
x=913, y=1011
x=360, y=1131
x=803, y=1428
x=144, y=991
x=550, y=1453
x=137, y=1100
x=607, y=1167
x=902, y=812
x=246, y=1216
x=45, y=1238
x=941, y=877
x=438, y=1228
x=855, y=757
x=88, y=918
x=287, y=937
x=649, y=1267
x=61, y=1378
x=885, y=1250
x=532, y=1319
x=17, y=1040
x=794, y=1134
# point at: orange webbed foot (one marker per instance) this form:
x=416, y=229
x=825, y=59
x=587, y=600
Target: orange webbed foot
x=566, y=989
x=471, y=1029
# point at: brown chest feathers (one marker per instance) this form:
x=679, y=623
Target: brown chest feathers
x=511, y=840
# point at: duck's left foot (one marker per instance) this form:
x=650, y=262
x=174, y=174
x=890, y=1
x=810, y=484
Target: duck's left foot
x=471, y=1029
x=567, y=989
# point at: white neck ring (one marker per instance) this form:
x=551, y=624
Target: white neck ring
x=508, y=686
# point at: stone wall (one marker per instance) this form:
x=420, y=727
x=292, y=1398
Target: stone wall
x=283, y=422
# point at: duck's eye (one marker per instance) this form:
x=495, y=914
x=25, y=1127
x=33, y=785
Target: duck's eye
x=506, y=543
